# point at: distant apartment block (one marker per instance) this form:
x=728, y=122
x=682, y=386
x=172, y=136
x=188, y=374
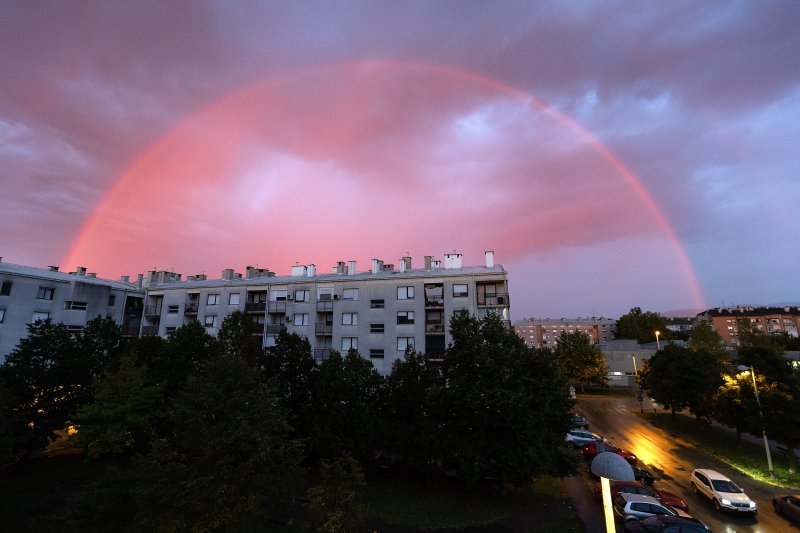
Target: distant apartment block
x=544, y=332
x=769, y=320
x=28, y=294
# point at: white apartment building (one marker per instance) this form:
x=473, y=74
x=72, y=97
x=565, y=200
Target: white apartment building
x=380, y=312
x=28, y=294
x=544, y=332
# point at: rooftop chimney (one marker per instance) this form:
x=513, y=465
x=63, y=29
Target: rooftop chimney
x=452, y=260
x=428, y=260
x=52, y=268
x=91, y=275
x=489, y=259
x=351, y=268
x=125, y=279
x=402, y=264
x=312, y=270
x=340, y=268
x=298, y=270
x=407, y=261
x=377, y=266
x=80, y=271
x=139, y=279
x=227, y=274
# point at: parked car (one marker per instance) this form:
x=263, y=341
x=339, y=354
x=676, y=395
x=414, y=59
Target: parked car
x=725, y=494
x=638, y=506
x=578, y=438
x=788, y=506
x=663, y=523
x=590, y=451
x=640, y=475
x=579, y=422
x=637, y=487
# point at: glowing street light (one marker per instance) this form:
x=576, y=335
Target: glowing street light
x=752, y=373
x=658, y=344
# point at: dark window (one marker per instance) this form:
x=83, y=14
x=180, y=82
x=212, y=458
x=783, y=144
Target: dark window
x=45, y=293
x=376, y=328
x=376, y=353
x=172, y=309
x=405, y=317
x=460, y=290
x=376, y=304
x=77, y=306
x=5, y=290
x=112, y=299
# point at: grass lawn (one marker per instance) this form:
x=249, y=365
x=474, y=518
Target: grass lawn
x=746, y=457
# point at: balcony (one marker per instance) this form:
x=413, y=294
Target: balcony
x=190, y=308
x=434, y=329
x=275, y=329
x=324, y=329
x=321, y=354
x=131, y=330
x=493, y=300
x=149, y=331
x=257, y=329
x=152, y=310
x=277, y=306
x=255, y=307
x=435, y=303
x=325, y=306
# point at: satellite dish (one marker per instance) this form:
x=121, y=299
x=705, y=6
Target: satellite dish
x=612, y=466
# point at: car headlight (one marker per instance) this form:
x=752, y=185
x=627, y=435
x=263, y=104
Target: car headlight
x=752, y=505
x=725, y=501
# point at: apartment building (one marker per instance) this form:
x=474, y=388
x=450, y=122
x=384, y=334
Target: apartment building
x=544, y=332
x=28, y=294
x=769, y=320
x=380, y=312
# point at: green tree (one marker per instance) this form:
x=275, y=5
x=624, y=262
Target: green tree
x=641, y=325
x=580, y=360
x=228, y=452
x=504, y=408
x=236, y=336
x=703, y=336
x=336, y=503
x=781, y=409
x=679, y=378
x=347, y=415
x=735, y=405
x=123, y=412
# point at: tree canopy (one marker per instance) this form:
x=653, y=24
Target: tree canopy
x=641, y=325
x=579, y=360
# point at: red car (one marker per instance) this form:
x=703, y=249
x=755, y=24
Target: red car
x=590, y=450
x=637, y=487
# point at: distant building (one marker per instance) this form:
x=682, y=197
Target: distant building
x=768, y=320
x=28, y=294
x=680, y=325
x=544, y=332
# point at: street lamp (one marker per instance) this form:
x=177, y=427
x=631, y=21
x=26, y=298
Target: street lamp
x=760, y=414
x=658, y=344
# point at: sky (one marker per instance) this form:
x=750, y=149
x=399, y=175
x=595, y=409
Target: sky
x=612, y=154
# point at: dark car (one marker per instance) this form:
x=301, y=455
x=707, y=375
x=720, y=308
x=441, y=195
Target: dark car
x=659, y=523
x=578, y=421
x=637, y=487
x=590, y=451
x=788, y=506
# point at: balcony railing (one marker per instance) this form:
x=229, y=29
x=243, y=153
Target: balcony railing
x=323, y=329
x=325, y=306
x=257, y=329
x=321, y=354
x=149, y=331
x=493, y=300
x=190, y=308
x=435, y=329
x=275, y=329
x=255, y=307
x=152, y=310
x=277, y=307
x=131, y=330
x=436, y=303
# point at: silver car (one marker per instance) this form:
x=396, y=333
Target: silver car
x=578, y=438
x=639, y=506
x=726, y=495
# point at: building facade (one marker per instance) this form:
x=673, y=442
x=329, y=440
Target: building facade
x=769, y=320
x=380, y=312
x=28, y=294
x=544, y=332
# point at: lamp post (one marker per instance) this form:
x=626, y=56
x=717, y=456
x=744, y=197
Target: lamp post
x=658, y=344
x=752, y=372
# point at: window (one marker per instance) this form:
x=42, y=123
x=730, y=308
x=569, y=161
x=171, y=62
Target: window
x=300, y=319
x=45, y=293
x=213, y=299
x=376, y=304
x=405, y=342
x=405, y=317
x=348, y=343
x=76, y=306
x=350, y=294
x=233, y=298
x=39, y=316
x=459, y=290
x=211, y=321
x=278, y=295
x=112, y=300
x=302, y=296
x=376, y=328
x=2, y=315
x=172, y=309
x=5, y=289
x=325, y=294
x=376, y=353
x=405, y=293
x=169, y=330
x=349, y=319
x=75, y=329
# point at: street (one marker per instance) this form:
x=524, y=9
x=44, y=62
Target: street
x=672, y=461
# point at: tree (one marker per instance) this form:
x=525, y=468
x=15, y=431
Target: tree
x=781, y=408
x=123, y=412
x=679, y=378
x=504, y=408
x=703, y=336
x=735, y=404
x=579, y=360
x=641, y=326
x=229, y=451
x=347, y=412
x=236, y=336
x=336, y=502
